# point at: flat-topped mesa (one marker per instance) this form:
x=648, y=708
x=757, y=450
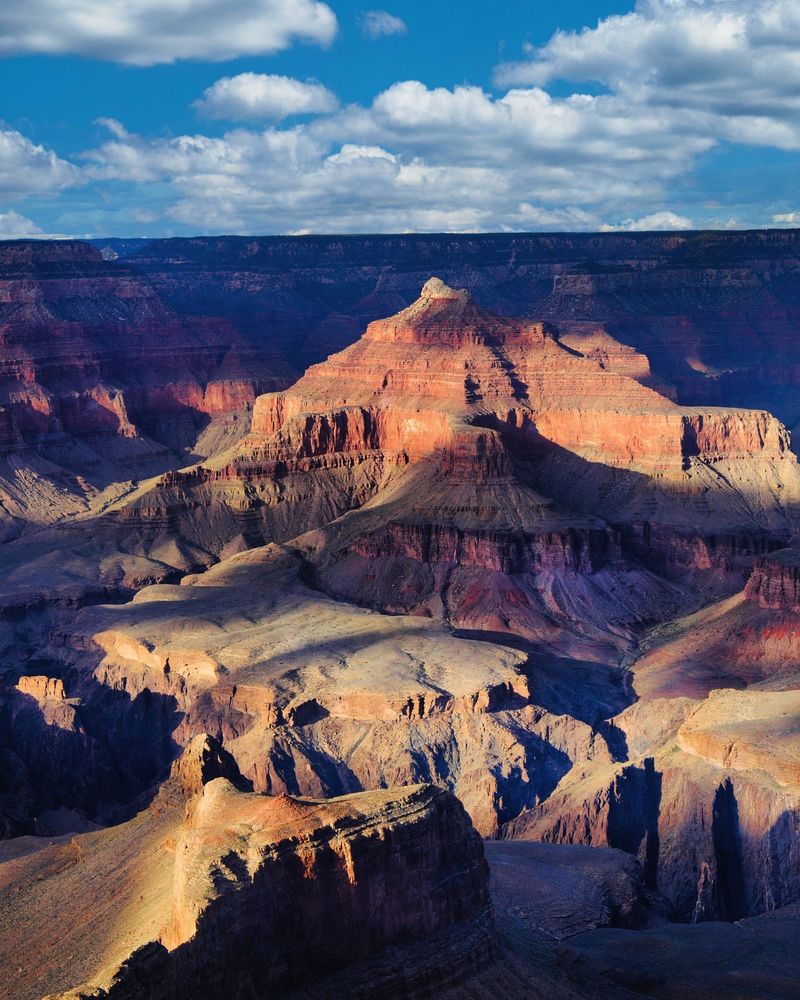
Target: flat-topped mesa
x=16, y=255
x=444, y=316
x=775, y=581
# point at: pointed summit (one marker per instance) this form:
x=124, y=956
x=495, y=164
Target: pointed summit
x=435, y=288
x=445, y=317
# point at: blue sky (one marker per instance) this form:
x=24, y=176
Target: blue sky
x=162, y=117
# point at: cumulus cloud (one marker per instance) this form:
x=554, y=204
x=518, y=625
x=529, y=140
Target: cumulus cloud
x=15, y=226
x=677, y=78
x=147, y=32
x=254, y=96
x=381, y=24
x=27, y=168
x=416, y=158
x=732, y=63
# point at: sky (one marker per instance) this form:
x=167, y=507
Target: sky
x=194, y=117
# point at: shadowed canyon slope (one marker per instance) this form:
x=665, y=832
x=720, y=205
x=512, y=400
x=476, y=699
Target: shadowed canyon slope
x=101, y=382
x=525, y=561
x=215, y=891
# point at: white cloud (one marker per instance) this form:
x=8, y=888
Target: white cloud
x=735, y=64
x=14, y=226
x=147, y=32
x=114, y=127
x=656, y=222
x=26, y=168
x=254, y=96
x=678, y=77
x=787, y=218
x=415, y=159
x=381, y=24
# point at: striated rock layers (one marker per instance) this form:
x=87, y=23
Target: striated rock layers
x=498, y=561
x=491, y=476
x=100, y=380
x=217, y=892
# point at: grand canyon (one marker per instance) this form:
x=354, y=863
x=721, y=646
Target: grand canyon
x=400, y=616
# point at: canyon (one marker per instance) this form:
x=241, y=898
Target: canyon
x=334, y=569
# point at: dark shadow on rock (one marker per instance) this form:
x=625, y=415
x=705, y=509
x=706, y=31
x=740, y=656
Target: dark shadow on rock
x=103, y=760
x=633, y=813
x=589, y=691
x=730, y=900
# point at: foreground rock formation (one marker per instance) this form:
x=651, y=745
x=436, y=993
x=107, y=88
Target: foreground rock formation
x=217, y=892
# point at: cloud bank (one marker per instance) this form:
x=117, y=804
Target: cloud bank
x=672, y=82
x=734, y=65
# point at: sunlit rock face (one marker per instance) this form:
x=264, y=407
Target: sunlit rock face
x=714, y=314
x=214, y=891
x=479, y=457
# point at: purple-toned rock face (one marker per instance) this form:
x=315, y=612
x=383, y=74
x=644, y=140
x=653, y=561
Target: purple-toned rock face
x=775, y=581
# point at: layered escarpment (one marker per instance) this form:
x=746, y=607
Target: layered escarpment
x=451, y=441
x=715, y=313
x=444, y=357
x=507, y=567
x=750, y=638
x=101, y=382
x=214, y=891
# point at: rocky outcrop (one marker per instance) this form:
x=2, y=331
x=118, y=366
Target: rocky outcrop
x=775, y=581
x=224, y=893
x=709, y=803
x=566, y=889
x=711, y=311
x=488, y=477
x=716, y=847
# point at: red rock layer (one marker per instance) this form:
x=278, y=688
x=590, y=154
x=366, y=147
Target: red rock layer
x=571, y=550
x=717, y=314
x=480, y=442
x=775, y=581
x=445, y=353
